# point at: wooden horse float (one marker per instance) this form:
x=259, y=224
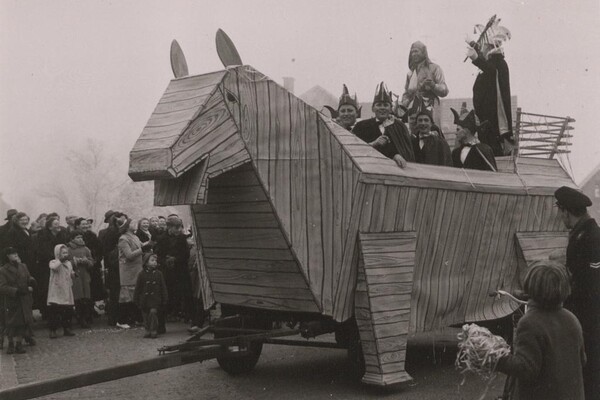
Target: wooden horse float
x=294, y=214
x=296, y=219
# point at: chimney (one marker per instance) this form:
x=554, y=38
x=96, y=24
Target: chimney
x=288, y=83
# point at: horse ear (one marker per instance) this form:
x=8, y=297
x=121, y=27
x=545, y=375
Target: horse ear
x=226, y=50
x=178, y=63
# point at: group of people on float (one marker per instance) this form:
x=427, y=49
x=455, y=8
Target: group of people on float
x=422, y=141
x=145, y=270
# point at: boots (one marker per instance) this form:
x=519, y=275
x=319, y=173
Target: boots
x=11, y=347
x=19, y=348
x=30, y=340
x=53, y=334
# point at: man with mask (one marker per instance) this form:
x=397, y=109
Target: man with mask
x=425, y=82
x=384, y=132
x=429, y=147
x=347, y=111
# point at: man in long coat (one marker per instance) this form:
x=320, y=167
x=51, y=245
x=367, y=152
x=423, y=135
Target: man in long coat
x=491, y=93
x=384, y=132
x=16, y=286
x=583, y=262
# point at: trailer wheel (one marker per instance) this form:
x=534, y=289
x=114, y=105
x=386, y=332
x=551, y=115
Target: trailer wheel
x=240, y=364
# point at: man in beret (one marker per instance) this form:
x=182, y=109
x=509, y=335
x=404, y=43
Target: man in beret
x=583, y=262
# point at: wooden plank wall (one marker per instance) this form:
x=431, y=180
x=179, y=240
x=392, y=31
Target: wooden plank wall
x=247, y=258
x=534, y=246
x=308, y=177
x=187, y=189
x=383, y=303
x=465, y=246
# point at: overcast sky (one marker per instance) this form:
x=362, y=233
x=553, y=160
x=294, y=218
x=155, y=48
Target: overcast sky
x=72, y=70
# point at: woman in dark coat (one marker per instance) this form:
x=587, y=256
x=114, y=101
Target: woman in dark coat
x=16, y=286
x=93, y=243
x=20, y=238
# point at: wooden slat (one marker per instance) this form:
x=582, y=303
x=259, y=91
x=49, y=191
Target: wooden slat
x=246, y=264
x=254, y=238
x=150, y=164
x=327, y=213
x=235, y=195
x=249, y=254
x=182, y=190
x=257, y=301
x=241, y=220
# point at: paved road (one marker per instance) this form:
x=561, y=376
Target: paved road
x=283, y=372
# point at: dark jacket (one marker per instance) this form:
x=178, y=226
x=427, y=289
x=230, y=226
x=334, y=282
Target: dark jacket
x=400, y=139
x=22, y=241
x=494, y=74
x=474, y=159
x=17, y=305
x=150, y=290
x=435, y=151
x=547, y=357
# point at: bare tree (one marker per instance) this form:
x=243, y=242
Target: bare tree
x=58, y=193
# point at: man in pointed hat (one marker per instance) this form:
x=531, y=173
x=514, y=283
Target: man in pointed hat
x=348, y=110
x=471, y=153
x=384, y=132
x=491, y=90
x=425, y=82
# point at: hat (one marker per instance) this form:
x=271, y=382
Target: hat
x=146, y=257
x=345, y=100
x=10, y=213
x=174, y=221
x=466, y=119
x=382, y=95
x=108, y=214
x=426, y=112
x=567, y=197
x=10, y=250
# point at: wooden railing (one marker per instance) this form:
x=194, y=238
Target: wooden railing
x=542, y=136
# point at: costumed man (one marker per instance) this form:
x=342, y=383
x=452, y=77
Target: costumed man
x=384, y=132
x=16, y=286
x=583, y=263
x=429, y=147
x=425, y=82
x=348, y=110
x=491, y=90
x=471, y=153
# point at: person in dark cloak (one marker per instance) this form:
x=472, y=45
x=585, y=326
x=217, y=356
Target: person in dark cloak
x=429, y=147
x=385, y=132
x=583, y=263
x=471, y=153
x=347, y=111
x=16, y=286
x=173, y=256
x=6, y=227
x=491, y=90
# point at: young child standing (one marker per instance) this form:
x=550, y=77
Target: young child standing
x=150, y=294
x=60, y=292
x=548, y=353
x=82, y=261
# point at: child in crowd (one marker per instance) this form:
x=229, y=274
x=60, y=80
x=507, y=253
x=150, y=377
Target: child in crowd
x=60, y=292
x=82, y=262
x=548, y=353
x=16, y=286
x=150, y=294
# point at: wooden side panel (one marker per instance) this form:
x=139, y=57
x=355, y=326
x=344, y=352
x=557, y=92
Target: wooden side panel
x=383, y=303
x=208, y=298
x=187, y=189
x=247, y=258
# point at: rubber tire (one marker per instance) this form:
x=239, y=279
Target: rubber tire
x=241, y=364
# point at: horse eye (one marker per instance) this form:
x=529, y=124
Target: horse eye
x=231, y=97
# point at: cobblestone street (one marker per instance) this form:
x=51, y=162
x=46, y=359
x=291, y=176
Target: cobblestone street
x=282, y=372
